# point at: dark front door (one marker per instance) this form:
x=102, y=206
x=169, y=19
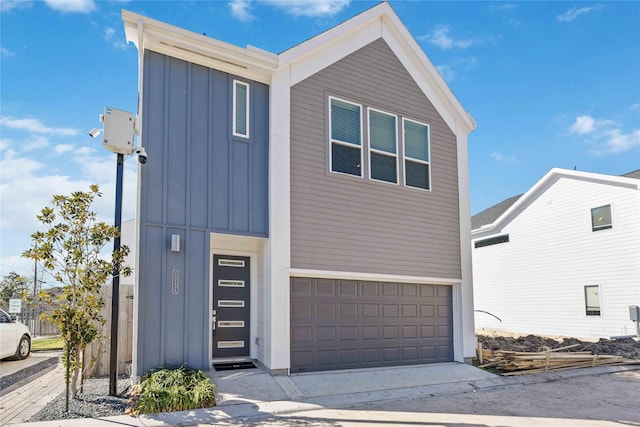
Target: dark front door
x=230, y=316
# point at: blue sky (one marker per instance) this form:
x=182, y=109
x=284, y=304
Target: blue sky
x=550, y=84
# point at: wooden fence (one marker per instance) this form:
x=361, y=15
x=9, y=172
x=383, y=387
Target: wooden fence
x=99, y=350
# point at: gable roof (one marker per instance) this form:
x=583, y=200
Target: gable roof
x=380, y=21
x=308, y=57
x=498, y=215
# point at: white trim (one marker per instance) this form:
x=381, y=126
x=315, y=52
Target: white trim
x=395, y=155
x=234, y=123
x=411, y=159
x=350, y=275
x=250, y=63
x=278, y=249
x=344, y=143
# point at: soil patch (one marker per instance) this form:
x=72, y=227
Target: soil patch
x=627, y=348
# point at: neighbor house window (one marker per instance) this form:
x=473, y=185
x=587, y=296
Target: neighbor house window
x=346, y=137
x=592, y=300
x=601, y=218
x=240, y=109
x=383, y=146
x=503, y=238
x=416, y=154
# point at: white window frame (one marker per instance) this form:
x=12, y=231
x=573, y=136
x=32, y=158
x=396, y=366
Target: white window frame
x=384, y=153
x=405, y=157
x=605, y=227
x=343, y=143
x=599, y=287
x=247, y=103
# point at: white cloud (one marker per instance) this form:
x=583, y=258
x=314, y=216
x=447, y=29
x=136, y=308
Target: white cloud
x=499, y=157
x=309, y=8
x=5, y=143
x=35, y=126
x=441, y=37
x=583, y=125
x=241, y=10
x=6, y=53
x=72, y=6
x=114, y=39
x=617, y=142
x=63, y=148
x=605, y=136
x=9, y=5
x=572, y=14
x=35, y=142
x=450, y=71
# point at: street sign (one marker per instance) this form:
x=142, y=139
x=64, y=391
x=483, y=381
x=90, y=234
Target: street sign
x=15, y=305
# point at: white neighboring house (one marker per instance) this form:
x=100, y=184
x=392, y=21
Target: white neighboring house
x=563, y=259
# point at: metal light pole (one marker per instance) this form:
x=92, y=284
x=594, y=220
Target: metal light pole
x=115, y=291
x=119, y=132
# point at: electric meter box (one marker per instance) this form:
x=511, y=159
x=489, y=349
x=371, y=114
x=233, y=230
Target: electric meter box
x=118, y=130
x=634, y=312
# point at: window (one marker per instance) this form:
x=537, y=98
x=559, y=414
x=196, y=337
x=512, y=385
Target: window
x=601, y=218
x=503, y=238
x=416, y=155
x=346, y=137
x=383, y=146
x=240, y=109
x=592, y=300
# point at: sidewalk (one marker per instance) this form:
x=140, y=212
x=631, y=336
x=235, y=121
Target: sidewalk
x=21, y=404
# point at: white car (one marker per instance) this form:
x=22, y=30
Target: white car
x=15, y=338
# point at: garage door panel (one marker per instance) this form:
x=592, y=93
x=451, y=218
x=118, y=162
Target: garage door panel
x=354, y=324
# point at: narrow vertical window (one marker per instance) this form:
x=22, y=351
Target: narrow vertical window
x=592, y=300
x=240, y=109
x=346, y=137
x=383, y=146
x=601, y=218
x=417, y=170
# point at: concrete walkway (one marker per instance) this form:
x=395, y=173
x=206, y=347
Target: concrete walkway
x=348, y=398
x=19, y=405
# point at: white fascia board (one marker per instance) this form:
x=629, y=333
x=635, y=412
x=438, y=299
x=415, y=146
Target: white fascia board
x=352, y=275
x=540, y=186
x=381, y=21
x=176, y=42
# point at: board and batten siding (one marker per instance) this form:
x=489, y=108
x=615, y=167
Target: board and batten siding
x=535, y=282
x=345, y=223
x=198, y=179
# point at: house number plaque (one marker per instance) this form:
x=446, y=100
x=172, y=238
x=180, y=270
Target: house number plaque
x=175, y=280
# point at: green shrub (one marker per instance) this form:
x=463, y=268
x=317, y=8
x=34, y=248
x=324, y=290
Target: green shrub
x=167, y=390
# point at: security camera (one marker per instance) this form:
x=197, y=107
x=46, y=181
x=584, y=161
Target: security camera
x=142, y=154
x=93, y=133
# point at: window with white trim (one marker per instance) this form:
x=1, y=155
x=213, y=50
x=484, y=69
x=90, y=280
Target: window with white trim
x=417, y=167
x=383, y=146
x=346, y=137
x=592, y=300
x=240, y=109
x=601, y=218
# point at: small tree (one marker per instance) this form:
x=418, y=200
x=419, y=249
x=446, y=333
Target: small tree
x=70, y=250
x=13, y=285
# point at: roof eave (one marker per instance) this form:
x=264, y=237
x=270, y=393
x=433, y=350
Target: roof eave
x=163, y=38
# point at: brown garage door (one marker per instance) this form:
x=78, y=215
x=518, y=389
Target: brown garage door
x=340, y=324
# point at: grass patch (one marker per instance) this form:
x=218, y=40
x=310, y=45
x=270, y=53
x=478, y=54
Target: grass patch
x=55, y=343
x=168, y=390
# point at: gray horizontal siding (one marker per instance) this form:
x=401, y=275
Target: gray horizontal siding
x=347, y=223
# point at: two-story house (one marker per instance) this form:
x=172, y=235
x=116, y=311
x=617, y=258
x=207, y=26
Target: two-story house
x=563, y=259
x=308, y=210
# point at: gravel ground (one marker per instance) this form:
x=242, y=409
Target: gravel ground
x=93, y=402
